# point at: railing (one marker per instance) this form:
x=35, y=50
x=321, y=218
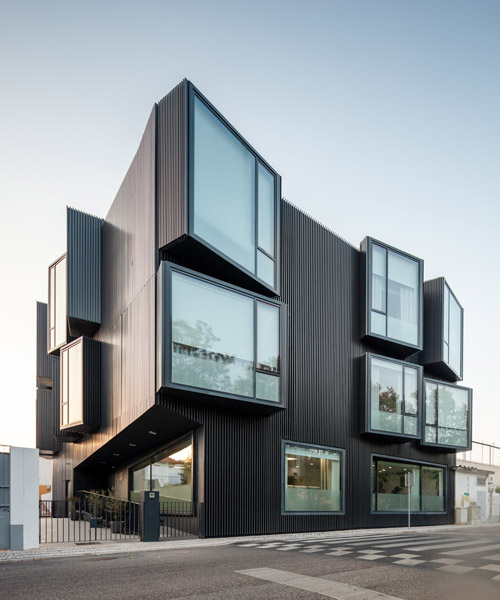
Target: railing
x=181, y=519
x=92, y=517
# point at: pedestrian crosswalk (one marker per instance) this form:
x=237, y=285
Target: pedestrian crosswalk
x=451, y=553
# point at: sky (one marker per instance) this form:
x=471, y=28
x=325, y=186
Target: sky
x=381, y=116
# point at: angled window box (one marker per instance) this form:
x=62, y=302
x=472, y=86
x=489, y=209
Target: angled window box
x=80, y=380
x=219, y=342
x=443, y=331
x=393, y=301
x=218, y=199
x=447, y=416
x=393, y=397
x=74, y=307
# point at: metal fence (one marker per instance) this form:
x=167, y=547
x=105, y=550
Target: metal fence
x=91, y=518
x=181, y=519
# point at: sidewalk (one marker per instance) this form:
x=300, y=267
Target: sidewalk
x=127, y=547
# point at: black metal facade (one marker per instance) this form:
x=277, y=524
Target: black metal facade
x=238, y=454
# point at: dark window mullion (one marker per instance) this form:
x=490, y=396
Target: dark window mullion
x=386, y=292
x=256, y=201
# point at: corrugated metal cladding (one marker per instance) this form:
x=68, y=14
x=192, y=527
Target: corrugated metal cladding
x=83, y=265
x=43, y=360
x=171, y=165
x=127, y=331
x=433, y=323
x=243, y=452
x=47, y=413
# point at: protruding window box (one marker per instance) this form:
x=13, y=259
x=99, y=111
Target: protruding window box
x=80, y=393
x=74, y=307
x=447, y=416
x=218, y=199
x=393, y=300
x=393, y=397
x=443, y=331
x=218, y=342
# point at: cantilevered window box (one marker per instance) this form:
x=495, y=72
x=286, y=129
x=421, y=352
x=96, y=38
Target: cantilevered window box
x=447, y=416
x=80, y=380
x=218, y=199
x=393, y=397
x=218, y=342
x=74, y=307
x=392, y=283
x=443, y=331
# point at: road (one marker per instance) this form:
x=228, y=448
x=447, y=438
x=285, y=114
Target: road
x=454, y=565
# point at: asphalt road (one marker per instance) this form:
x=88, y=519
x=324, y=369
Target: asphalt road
x=325, y=565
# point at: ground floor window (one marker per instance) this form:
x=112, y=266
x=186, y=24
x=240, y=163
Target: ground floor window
x=312, y=478
x=169, y=472
x=389, y=493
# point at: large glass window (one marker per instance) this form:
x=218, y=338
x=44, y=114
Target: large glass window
x=452, y=331
x=71, y=391
x=395, y=281
x=234, y=196
x=169, y=472
x=57, y=335
x=223, y=340
x=313, y=479
x=447, y=410
x=393, y=396
x=390, y=493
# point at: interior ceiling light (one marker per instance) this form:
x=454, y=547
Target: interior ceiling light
x=115, y=454
x=133, y=445
x=152, y=432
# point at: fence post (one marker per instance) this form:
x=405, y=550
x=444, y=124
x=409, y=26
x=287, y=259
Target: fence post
x=150, y=516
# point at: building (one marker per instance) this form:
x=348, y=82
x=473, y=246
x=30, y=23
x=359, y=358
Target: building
x=209, y=340
x=478, y=480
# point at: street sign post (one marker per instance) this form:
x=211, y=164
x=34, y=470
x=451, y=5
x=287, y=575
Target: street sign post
x=409, y=483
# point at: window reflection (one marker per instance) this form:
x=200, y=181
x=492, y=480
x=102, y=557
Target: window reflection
x=57, y=334
x=169, y=473
x=217, y=334
x=313, y=479
x=446, y=414
x=393, y=397
x=452, y=331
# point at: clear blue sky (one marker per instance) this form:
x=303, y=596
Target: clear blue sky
x=381, y=116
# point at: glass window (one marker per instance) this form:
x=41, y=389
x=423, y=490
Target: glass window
x=234, y=196
x=212, y=337
x=217, y=333
x=169, y=473
x=313, y=478
x=394, y=394
x=447, y=414
x=452, y=331
x=390, y=494
x=395, y=295
x=72, y=385
x=57, y=304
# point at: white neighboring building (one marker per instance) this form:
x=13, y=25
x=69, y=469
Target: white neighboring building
x=19, y=498
x=478, y=475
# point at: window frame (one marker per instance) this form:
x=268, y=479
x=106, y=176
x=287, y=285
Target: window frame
x=447, y=290
x=420, y=463
x=368, y=248
x=367, y=396
x=340, y=451
x=194, y=93
x=66, y=350
x=164, y=332
x=55, y=349
x=423, y=441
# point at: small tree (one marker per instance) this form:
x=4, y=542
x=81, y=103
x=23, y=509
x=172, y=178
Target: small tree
x=497, y=489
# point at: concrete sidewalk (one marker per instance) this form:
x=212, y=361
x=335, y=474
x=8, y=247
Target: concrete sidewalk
x=123, y=547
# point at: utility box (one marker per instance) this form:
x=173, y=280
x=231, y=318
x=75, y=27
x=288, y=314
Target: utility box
x=18, y=498
x=150, y=516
